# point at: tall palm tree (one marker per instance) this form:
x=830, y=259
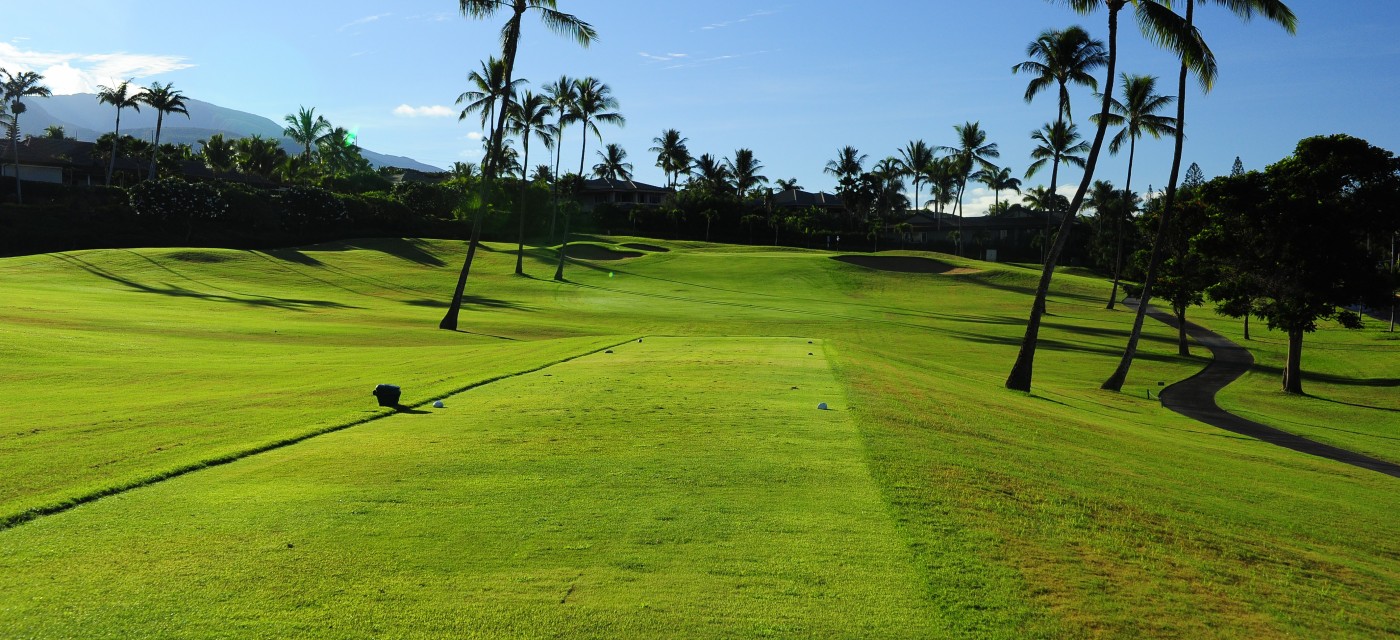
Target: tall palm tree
x=18, y=86
x=973, y=151
x=914, y=159
x=1195, y=56
x=1057, y=143
x=305, y=128
x=489, y=89
x=595, y=104
x=1061, y=58
x=672, y=156
x=744, y=169
x=1170, y=32
x=613, y=163
x=562, y=95
x=121, y=97
x=164, y=99
x=997, y=179
x=1137, y=114
x=713, y=172
x=528, y=117
x=563, y=23
x=849, y=164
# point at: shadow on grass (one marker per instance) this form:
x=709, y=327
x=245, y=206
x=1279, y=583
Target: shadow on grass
x=291, y=304
x=293, y=255
x=410, y=249
x=469, y=301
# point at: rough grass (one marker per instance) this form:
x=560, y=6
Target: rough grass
x=932, y=503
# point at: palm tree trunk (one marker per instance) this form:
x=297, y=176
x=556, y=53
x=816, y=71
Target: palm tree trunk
x=1120, y=374
x=554, y=188
x=155, y=147
x=563, y=250
x=116, y=137
x=14, y=145
x=520, y=239
x=1118, y=225
x=1022, y=371
x=488, y=175
x=582, y=152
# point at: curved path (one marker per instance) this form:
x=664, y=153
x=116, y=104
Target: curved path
x=1194, y=398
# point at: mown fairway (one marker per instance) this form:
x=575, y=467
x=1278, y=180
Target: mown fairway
x=679, y=486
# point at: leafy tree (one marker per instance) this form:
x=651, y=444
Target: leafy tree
x=563, y=23
x=1195, y=56
x=55, y=132
x=218, y=153
x=259, y=156
x=1293, y=239
x=304, y=128
x=1195, y=178
x=1237, y=169
x=121, y=97
x=164, y=99
x=528, y=117
x=613, y=163
x=1057, y=143
x=1186, y=271
x=1137, y=114
x=16, y=87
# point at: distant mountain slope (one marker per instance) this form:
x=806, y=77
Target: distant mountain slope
x=84, y=118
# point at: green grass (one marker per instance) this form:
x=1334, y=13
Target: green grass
x=676, y=487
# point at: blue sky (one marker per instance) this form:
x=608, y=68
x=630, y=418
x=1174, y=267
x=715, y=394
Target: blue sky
x=793, y=80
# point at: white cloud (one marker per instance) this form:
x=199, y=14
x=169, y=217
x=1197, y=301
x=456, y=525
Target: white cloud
x=475, y=135
x=434, y=111
x=720, y=25
x=666, y=57
x=67, y=73
x=363, y=21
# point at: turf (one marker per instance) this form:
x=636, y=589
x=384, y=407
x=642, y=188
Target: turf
x=931, y=503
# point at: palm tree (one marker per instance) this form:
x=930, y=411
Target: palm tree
x=1058, y=143
x=713, y=172
x=972, y=150
x=672, y=156
x=18, y=86
x=1137, y=114
x=490, y=89
x=613, y=165
x=788, y=184
x=1195, y=56
x=996, y=179
x=914, y=159
x=164, y=99
x=528, y=116
x=563, y=23
x=744, y=169
x=120, y=97
x=1172, y=33
x=562, y=95
x=219, y=154
x=305, y=128
x=259, y=156
x=595, y=104
x=1062, y=58
x=848, y=165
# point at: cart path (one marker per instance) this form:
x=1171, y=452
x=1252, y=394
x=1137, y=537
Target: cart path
x=1194, y=398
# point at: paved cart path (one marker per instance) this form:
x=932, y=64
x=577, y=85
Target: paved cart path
x=1194, y=398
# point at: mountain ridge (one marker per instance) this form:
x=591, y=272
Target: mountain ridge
x=84, y=118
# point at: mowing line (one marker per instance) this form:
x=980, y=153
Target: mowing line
x=16, y=519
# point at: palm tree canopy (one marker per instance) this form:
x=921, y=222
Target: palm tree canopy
x=915, y=158
x=305, y=127
x=21, y=85
x=614, y=165
x=120, y=96
x=672, y=155
x=998, y=179
x=1137, y=111
x=528, y=116
x=849, y=163
x=1061, y=58
x=973, y=148
x=561, y=23
x=489, y=88
x=595, y=103
x=1059, y=142
x=744, y=170
x=712, y=172
x=165, y=98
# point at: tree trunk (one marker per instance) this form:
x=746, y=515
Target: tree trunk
x=1293, y=369
x=1249, y=306
x=520, y=239
x=582, y=153
x=554, y=190
x=116, y=137
x=563, y=250
x=155, y=148
x=1118, y=225
x=1183, y=348
x=1022, y=371
x=14, y=145
x=1120, y=375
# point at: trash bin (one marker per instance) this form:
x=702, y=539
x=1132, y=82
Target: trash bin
x=388, y=395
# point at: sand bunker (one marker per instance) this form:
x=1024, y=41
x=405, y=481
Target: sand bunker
x=904, y=264
x=595, y=252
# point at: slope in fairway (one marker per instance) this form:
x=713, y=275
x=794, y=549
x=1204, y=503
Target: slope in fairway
x=676, y=487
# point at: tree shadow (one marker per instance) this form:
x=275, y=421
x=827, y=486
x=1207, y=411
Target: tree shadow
x=292, y=255
x=410, y=249
x=291, y=304
x=469, y=301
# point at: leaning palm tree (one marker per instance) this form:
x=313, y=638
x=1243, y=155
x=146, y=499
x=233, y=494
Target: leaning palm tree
x=305, y=128
x=672, y=156
x=914, y=159
x=528, y=117
x=164, y=99
x=121, y=97
x=563, y=23
x=998, y=179
x=562, y=95
x=1137, y=114
x=18, y=86
x=1196, y=57
x=1172, y=33
x=973, y=151
x=613, y=164
x=1057, y=143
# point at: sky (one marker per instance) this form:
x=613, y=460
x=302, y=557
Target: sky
x=793, y=80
